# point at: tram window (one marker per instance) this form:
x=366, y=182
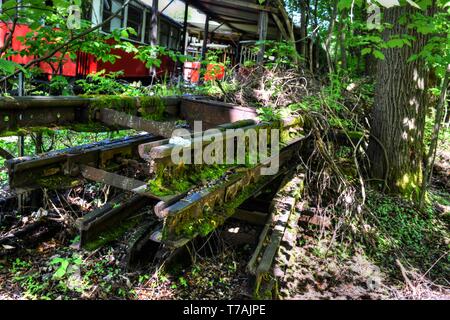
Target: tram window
x=174, y=39
x=135, y=21
x=148, y=26
x=164, y=34
x=109, y=8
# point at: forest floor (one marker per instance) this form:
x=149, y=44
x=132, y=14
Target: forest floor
x=407, y=258
x=324, y=267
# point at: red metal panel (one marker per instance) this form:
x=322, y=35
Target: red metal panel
x=20, y=30
x=85, y=63
x=69, y=66
x=131, y=67
x=166, y=68
x=134, y=68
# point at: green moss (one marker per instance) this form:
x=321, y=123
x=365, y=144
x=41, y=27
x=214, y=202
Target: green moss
x=265, y=287
x=89, y=127
x=409, y=185
x=58, y=182
x=125, y=104
x=191, y=225
x=152, y=108
x=112, y=234
x=119, y=103
x=148, y=107
x=179, y=179
x=232, y=205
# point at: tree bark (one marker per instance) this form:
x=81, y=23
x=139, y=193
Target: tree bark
x=330, y=36
x=431, y=158
x=398, y=117
x=304, y=7
x=342, y=45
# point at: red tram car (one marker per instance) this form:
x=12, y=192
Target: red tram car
x=136, y=15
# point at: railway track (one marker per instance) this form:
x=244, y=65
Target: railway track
x=175, y=218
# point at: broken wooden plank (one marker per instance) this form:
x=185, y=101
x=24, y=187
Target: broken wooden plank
x=118, y=181
x=115, y=118
x=124, y=183
x=145, y=149
x=263, y=258
x=111, y=179
x=277, y=234
x=282, y=207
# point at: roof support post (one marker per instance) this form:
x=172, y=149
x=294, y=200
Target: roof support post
x=154, y=30
x=154, y=24
x=185, y=26
x=262, y=31
x=205, y=38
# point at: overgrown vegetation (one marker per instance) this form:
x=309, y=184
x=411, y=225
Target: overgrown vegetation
x=337, y=77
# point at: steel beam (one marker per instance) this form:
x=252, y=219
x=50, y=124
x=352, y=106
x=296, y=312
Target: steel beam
x=28, y=112
x=32, y=172
x=96, y=224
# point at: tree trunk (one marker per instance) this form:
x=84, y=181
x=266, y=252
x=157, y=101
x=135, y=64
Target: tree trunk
x=398, y=117
x=342, y=45
x=431, y=158
x=330, y=36
x=304, y=6
x=317, y=40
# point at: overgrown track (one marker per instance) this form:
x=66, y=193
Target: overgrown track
x=177, y=217
x=26, y=113
x=61, y=169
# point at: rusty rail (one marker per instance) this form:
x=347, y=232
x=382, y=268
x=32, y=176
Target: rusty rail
x=200, y=209
x=33, y=172
x=217, y=204
x=30, y=112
